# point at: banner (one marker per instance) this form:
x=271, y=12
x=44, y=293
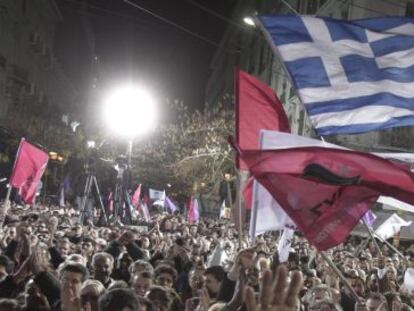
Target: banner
x=28, y=169
x=156, y=195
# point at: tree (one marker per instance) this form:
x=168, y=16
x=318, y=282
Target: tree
x=190, y=152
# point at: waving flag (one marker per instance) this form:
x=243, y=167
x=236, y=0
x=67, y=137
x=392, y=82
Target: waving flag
x=145, y=212
x=136, y=196
x=369, y=218
x=285, y=244
x=352, y=76
x=327, y=191
x=28, y=169
x=193, y=213
x=257, y=108
x=170, y=205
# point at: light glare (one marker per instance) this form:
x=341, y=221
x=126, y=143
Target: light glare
x=249, y=21
x=130, y=111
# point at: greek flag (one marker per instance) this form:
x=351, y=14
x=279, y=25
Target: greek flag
x=352, y=76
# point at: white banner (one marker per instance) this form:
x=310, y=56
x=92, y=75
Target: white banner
x=157, y=194
x=391, y=226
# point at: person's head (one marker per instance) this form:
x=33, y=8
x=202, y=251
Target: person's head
x=139, y=266
x=119, y=299
x=214, y=277
x=34, y=296
x=376, y=302
x=123, y=262
x=159, y=298
x=6, y=266
x=88, y=246
x=100, y=244
x=193, y=230
x=8, y=305
x=77, y=258
x=72, y=275
x=90, y=292
x=145, y=242
x=392, y=273
x=196, y=279
x=102, y=266
x=324, y=305
x=64, y=247
x=165, y=276
x=320, y=292
x=77, y=230
x=141, y=283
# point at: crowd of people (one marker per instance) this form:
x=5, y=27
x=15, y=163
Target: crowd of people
x=49, y=261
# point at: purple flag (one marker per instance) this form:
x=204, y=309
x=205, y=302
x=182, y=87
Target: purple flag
x=369, y=218
x=145, y=212
x=169, y=204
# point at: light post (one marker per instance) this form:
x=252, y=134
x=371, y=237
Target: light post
x=129, y=111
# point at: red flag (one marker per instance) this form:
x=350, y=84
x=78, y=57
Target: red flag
x=257, y=108
x=326, y=191
x=248, y=193
x=136, y=196
x=28, y=169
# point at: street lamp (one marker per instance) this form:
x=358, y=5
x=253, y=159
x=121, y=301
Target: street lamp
x=130, y=111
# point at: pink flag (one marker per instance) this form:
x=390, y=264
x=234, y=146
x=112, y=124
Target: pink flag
x=28, y=169
x=327, y=191
x=111, y=202
x=193, y=213
x=135, y=197
x=257, y=108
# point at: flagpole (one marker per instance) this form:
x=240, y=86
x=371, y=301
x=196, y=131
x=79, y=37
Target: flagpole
x=253, y=215
x=8, y=193
x=341, y=276
x=240, y=208
x=372, y=237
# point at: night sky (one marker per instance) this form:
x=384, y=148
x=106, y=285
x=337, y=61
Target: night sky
x=132, y=44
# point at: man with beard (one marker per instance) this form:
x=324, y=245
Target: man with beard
x=102, y=266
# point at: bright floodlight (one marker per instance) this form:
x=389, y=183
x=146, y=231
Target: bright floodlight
x=249, y=21
x=130, y=111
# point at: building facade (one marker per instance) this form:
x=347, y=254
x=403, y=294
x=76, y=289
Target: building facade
x=246, y=47
x=33, y=86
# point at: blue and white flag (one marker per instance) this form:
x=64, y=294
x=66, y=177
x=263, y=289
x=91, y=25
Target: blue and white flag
x=352, y=76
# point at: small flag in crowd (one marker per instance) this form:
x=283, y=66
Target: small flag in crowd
x=145, y=212
x=352, y=76
x=28, y=169
x=170, y=205
x=136, y=196
x=391, y=226
x=193, y=213
x=369, y=218
x=156, y=195
x=285, y=244
x=222, y=209
x=62, y=197
x=327, y=191
x=257, y=108
x=111, y=202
